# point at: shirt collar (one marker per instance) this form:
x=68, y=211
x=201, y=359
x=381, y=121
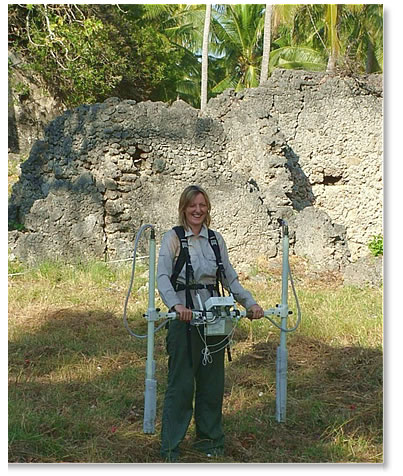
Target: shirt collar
x=203, y=232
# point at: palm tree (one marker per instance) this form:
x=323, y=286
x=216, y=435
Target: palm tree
x=313, y=37
x=341, y=33
x=238, y=33
x=361, y=35
x=182, y=24
x=290, y=49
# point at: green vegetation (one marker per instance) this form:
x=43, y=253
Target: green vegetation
x=86, y=53
x=76, y=377
x=376, y=245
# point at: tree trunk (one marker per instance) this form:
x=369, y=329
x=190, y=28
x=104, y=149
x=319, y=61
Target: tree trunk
x=371, y=60
x=332, y=20
x=331, y=64
x=264, y=70
x=204, y=75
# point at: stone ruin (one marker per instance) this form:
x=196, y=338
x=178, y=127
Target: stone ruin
x=305, y=147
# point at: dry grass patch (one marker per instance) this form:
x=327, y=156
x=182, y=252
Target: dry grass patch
x=76, y=377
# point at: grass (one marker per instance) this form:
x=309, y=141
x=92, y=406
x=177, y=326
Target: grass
x=76, y=377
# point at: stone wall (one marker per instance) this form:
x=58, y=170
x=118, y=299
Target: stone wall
x=305, y=147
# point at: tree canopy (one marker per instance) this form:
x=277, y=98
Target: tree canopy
x=86, y=53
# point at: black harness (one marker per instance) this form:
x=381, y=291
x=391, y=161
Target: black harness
x=190, y=284
x=184, y=260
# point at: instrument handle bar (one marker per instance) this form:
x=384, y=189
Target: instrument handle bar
x=210, y=316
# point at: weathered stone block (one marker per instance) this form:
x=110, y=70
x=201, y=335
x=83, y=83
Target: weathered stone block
x=301, y=147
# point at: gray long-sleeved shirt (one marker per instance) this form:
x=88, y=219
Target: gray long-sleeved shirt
x=204, y=266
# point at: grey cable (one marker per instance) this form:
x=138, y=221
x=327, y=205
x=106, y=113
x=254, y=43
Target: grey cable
x=292, y=329
x=138, y=236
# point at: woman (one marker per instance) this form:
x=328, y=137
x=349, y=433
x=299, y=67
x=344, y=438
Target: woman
x=195, y=362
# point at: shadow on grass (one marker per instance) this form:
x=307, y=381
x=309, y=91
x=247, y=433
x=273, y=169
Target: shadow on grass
x=76, y=387
x=77, y=383
x=334, y=404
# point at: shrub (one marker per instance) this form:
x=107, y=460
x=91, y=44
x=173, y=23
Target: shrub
x=376, y=245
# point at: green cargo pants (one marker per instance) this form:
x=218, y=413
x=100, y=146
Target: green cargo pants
x=186, y=374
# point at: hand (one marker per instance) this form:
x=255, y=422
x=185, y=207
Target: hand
x=185, y=314
x=255, y=312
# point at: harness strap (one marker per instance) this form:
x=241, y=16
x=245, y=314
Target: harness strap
x=220, y=267
x=183, y=260
x=209, y=287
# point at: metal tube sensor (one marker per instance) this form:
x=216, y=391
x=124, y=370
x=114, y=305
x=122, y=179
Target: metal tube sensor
x=282, y=352
x=150, y=395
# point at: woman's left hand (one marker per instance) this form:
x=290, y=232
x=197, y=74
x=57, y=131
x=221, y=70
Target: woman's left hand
x=255, y=312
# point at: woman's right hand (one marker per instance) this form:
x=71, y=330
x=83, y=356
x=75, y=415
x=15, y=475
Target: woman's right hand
x=185, y=314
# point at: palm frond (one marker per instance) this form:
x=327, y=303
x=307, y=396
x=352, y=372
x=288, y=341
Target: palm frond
x=312, y=60
x=226, y=83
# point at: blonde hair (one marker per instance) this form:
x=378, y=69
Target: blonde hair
x=186, y=197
